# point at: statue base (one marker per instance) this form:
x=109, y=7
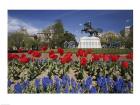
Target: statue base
x=89, y=42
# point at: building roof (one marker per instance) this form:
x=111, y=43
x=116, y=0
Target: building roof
x=127, y=27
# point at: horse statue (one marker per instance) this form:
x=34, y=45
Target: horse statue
x=89, y=29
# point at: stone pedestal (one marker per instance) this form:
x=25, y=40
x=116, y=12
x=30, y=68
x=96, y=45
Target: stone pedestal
x=89, y=42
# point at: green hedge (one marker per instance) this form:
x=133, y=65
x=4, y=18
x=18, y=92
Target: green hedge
x=103, y=50
x=106, y=50
x=95, y=50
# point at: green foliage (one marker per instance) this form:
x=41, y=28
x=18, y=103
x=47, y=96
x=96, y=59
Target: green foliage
x=58, y=33
x=122, y=32
x=101, y=50
x=130, y=38
x=58, y=36
x=67, y=37
x=109, y=37
x=28, y=42
x=19, y=39
x=16, y=39
x=127, y=41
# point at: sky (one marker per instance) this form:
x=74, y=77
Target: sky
x=73, y=20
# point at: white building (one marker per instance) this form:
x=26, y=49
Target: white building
x=127, y=31
x=89, y=42
x=108, y=33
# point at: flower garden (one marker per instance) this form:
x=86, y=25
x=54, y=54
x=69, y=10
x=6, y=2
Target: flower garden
x=82, y=71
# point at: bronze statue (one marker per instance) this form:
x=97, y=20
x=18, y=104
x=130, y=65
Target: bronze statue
x=89, y=29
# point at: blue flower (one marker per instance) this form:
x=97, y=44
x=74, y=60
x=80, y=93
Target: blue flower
x=119, y=85
x=9, y=83
x=103, y=83
x=25, y=84
x=45, y=82
x=79, y=88
x=93, y=90
x=37, y=84
x=130, y=86
x=66, y=89
x=18, y=88
x=88, y=83
x=65, y=80
x=51, y=82
x=99, y=81
x=109, y=81
x=73, y=90
x=73, y=83
x=58, y=84
x=81, y=91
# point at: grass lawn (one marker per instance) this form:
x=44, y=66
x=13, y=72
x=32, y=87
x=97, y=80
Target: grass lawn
x=101, y=50
x=95, y=50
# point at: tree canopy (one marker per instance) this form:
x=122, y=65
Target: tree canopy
x=59, y=34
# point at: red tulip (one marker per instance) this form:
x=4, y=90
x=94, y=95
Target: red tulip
x=81, y=53
x=83, y=61
x=53, y=56
x=106, y=58
x=60, y=51
x=69, y=53
x=12, y=56
x=20, y=50
x=44, y=48
x=84, y=54
x=114, y=58
x=95, y=57
x=62, y=60
x=51, y=52
x=24, y=59
x=66, y=58
x=30, y=51
x=101, y=55
x=125, y=64
x=23, y=55
x=89, y=51
x=129, y=56
x=36, y=54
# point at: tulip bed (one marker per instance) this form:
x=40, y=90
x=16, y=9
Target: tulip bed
x=96, y=50
x=67, y=72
